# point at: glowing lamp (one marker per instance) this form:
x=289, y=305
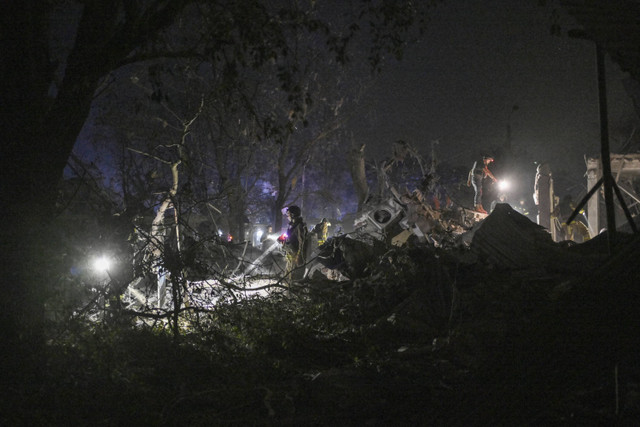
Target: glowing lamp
x=102, y=264
x=503, y=185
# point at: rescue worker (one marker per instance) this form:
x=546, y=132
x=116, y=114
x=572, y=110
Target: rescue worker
x=476, y=177
x=575, y=230
x=542, y=192
x=321, y=230
x=293, y=243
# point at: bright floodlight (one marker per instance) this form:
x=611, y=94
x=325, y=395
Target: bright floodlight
x=503, y=185
x=101, y=264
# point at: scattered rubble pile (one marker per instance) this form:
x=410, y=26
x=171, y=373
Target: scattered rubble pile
x=487, y=323
x=509, y=240
x=505, y=239
x=452, y=317
x=513, y=328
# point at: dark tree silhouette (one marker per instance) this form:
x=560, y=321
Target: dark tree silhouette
x=57, y=56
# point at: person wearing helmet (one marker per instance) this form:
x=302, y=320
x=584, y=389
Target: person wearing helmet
x=321, y=231
x=293, y=244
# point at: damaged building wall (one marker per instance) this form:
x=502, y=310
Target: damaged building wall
x=625, y=169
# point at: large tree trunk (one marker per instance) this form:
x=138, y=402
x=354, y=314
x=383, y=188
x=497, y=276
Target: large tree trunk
x=38, y=133
x=279, y=205
x=358, y=174
x=41, y=119
x=237, y=199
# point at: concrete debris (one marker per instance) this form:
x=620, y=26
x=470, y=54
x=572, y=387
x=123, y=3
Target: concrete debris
x=404, y=218
x=508, y=239
x=503, y=239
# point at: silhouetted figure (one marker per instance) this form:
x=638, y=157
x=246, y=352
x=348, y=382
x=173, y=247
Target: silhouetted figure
x=293, y=243
x=476, y=177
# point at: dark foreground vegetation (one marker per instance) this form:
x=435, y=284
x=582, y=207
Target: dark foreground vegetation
x=192, y=100
x=422, y=339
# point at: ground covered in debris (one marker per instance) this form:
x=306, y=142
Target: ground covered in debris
x=512, y=330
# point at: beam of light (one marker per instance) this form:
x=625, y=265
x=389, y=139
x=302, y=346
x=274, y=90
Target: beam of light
x=102, y=264
x=258, y=261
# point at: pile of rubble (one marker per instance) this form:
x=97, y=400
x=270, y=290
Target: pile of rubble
x=503, y=239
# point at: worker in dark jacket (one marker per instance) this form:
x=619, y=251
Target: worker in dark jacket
x=293, y=243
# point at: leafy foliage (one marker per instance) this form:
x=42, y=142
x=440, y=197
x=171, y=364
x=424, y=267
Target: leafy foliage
x=416, y=329
x=402, y=344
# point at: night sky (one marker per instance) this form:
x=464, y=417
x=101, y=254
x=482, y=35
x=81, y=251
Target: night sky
x=476, y=61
